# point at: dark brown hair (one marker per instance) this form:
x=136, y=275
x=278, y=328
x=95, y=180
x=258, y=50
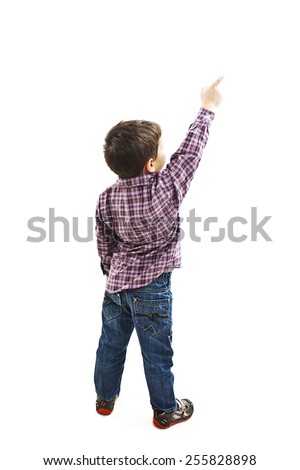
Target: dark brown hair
x=129, y=145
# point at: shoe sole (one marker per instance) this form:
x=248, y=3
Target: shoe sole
x=104, y=411
x=160, y=426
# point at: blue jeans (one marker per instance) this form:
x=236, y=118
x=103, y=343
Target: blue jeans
x=148, y=309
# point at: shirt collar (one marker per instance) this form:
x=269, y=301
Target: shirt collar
x=137, y=180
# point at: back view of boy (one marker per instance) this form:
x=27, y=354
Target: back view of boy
x=137, y=229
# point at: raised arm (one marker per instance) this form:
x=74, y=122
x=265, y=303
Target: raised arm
x=175, y=179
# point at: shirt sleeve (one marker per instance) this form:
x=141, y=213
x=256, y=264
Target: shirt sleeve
x=106, y=242
x=174, y=181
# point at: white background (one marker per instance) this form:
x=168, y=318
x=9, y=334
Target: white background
x=71, y=70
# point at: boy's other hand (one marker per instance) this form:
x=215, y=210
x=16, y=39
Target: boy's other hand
x=211, y=96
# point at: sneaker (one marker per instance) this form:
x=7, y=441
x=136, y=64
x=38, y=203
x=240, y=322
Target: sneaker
x=105, y=407
x=183, y=412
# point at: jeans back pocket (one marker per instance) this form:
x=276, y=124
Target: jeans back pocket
x=152, y=316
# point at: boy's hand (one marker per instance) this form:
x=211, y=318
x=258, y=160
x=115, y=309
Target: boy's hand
x=211, y=96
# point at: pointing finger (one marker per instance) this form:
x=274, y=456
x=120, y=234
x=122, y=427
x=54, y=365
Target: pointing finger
x=216, y=83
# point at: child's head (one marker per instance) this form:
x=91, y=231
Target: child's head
x=132, y=148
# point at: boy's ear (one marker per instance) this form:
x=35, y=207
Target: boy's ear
x=150, y=166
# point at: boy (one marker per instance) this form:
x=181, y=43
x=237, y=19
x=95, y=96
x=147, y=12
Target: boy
x=137, y=229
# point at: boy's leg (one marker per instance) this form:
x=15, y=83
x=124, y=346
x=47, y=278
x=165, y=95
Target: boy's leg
x=117, y=327
x=152, y=313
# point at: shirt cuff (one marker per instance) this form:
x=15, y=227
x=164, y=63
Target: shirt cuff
x=204, y=117
x=206, y=112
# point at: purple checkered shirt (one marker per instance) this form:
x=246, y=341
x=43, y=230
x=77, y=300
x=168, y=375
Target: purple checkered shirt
x=137, y=219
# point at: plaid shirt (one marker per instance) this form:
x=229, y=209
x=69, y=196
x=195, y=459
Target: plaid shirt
x=137, y=219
